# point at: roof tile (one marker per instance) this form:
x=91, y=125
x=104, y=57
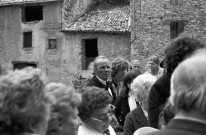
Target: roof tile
x=103, y=19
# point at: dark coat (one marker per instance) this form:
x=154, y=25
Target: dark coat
x=158, y=95
x=182, y=127
x=94, y=81
x=134, y=120
x=122, y=109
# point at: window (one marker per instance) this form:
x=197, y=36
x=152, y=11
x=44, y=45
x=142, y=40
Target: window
x=90, y=52
x=32, y=13
x=176, y=28
x=21, y=65
x=27, y=40
x=176, y=2
x=52, y=44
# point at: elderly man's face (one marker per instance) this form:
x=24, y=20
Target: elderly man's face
x=101, y=118
x=102, y=69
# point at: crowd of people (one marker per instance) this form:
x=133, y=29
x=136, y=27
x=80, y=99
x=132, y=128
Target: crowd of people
x=120, y=99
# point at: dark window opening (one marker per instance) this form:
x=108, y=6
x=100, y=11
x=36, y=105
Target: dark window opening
x=52, y=44
x=27, y=40
x=176, y=28
x=22, y=65
x=32, y=13
x=90, y=52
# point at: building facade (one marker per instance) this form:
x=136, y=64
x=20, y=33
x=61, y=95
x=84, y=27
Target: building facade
x=42, y=34
x=156, y=22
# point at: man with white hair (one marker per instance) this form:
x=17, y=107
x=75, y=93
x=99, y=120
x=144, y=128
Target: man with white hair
x=101, y=73
x=188, y=97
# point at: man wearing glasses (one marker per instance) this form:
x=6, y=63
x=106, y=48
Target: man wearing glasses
x=95, y=112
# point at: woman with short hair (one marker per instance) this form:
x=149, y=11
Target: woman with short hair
x=24, y=106
x=95, y=112
x=64, y=114
x=138, y=118
x=120, y=67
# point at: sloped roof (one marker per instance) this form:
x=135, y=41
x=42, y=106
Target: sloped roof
x=103, y=18
x=15, y=2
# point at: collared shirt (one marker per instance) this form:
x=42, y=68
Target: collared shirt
x=131, y=101
x=144, y=111
x=86, y=130
x=105, y=83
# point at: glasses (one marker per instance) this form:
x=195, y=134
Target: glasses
x=110, y=113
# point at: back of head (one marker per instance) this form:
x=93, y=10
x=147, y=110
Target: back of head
x=188, y=84
x=93, y=98
x=145, y=131
x=128, y=78
x=119, y=64
x=24, y=104
x=143, y=82
x=179, y=49
x=155, y=59
x=166, y=115
x=65, y=100
x=64, y=97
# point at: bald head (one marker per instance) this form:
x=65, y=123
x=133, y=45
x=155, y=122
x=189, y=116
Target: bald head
x=188, y=84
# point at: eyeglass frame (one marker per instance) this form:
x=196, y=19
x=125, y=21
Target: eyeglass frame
x=110, y=113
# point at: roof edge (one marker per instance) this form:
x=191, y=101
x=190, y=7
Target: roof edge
x=4, y=4
x=96, y=31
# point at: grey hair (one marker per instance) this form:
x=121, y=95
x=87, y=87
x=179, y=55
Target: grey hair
x=188, y=84
x=143, y=83
x=97, y=58
x=65, y=99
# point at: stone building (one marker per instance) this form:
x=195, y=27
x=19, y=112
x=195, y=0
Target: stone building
x=104, y=30
x=56, y=36
x=156, y=22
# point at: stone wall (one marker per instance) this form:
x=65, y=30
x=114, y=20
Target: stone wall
x=109, y=45
x=11, y=39
x=151, y=24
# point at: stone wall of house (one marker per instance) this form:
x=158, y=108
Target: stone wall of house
x=151, y=24
x=11, y=39
x=109, y=45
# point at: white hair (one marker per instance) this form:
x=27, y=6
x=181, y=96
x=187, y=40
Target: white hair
x=143, y=83
x=188, y=84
